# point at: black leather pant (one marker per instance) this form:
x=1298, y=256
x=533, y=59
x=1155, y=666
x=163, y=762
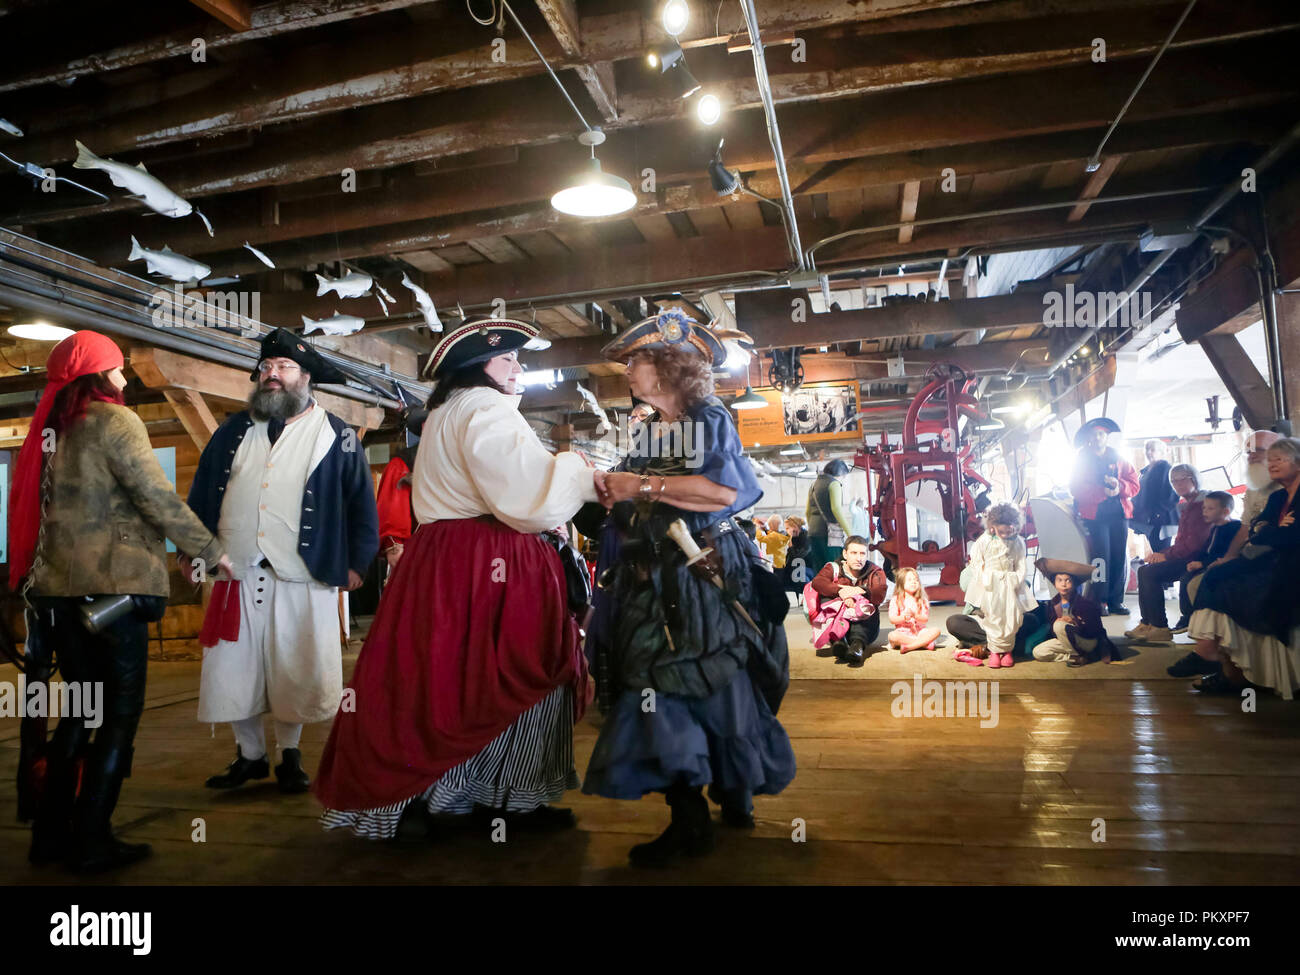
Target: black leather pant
x=116, y=657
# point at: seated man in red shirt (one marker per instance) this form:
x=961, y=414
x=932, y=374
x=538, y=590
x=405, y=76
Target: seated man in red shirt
x=850, y=593
x=1167, y=567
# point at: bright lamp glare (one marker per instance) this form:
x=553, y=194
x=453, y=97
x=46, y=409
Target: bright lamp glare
x=676, y=14
x=595, y=194
x=708, y=109
x=39, y=332
x=538, y=377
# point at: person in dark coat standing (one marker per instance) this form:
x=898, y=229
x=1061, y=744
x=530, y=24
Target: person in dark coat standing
x=829, y=522
x=1103, y=485
x=1156, y=505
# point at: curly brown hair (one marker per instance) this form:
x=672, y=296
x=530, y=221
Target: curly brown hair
x=684, y=371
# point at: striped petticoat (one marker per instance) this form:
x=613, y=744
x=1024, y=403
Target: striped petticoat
x=528, y=765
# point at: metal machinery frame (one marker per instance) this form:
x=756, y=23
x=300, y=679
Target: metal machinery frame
x=943, y=459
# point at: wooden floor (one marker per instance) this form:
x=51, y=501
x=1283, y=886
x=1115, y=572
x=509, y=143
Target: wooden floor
x=1192, y=790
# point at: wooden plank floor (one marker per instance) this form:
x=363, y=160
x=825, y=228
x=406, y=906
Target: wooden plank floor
x=1192, y=790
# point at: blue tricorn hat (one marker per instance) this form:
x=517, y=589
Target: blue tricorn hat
x=480, y=339
x=671, y=328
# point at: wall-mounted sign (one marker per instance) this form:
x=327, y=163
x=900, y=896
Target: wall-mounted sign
x=813, y=412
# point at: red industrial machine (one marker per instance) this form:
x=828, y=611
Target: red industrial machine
x=944, y=459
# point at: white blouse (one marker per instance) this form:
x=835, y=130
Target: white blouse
x=478, y=456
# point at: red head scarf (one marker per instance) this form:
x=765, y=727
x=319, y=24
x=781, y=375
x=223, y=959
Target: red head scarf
x=80, y=354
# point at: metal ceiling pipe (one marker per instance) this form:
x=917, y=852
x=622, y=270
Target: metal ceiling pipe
x=773, y=131
x=1227, y=193
x=51, y=301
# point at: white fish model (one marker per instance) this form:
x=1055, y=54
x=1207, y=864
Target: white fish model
x=259, y=255
x=589, y=399
x=7, y=126
x=150, y=191
x=424, y=303
x=338, y=325
x=381, y=296
x=354, y=284
x=168, y=263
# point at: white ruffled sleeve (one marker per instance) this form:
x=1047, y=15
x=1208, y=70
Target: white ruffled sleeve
x=525, y=485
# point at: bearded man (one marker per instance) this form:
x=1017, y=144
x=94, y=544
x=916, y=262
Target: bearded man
x=286, y=487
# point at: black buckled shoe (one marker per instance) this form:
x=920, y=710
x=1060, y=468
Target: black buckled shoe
x=1193, y=665
x=289, y=773
x=1120, y=610
x=240, y=771
x=840, y=649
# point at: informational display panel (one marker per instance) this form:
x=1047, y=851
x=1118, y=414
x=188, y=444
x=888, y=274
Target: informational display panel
x=819, y=411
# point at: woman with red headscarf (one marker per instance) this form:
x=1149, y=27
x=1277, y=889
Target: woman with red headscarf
x=91, y=506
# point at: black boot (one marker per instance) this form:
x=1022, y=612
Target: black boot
x=52, y=827
x=857, y=654
x=240, y=771
x=289, y=773
x=689, y=833
x=94, y=848
x=841, y=650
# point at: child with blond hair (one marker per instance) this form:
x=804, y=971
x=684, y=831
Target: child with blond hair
x=997, y=581
x=909, y=611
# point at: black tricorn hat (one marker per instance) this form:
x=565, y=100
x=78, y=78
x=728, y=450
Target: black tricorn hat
x=1105, y=422
x=480, y=339
x=281, y=343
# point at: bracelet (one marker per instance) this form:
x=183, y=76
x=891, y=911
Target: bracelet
x=663, y=485
x=645, y=484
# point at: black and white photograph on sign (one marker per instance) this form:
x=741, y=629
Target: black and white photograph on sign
x=828, y=409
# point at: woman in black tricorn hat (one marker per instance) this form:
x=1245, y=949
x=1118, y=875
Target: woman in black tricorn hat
x=694, y=673
x=472, y=675
x=1104, y=485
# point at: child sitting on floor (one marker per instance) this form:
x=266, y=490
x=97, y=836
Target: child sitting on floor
x=909, y=611
x=997, y=563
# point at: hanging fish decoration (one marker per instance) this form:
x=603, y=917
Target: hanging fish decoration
x=38, y=175
x=383, y=296
x=168, y=263
x=337, y=325
x=354, y=284
x=7, y=126
x=149, y=190
x=259, y=255
x=424, y=303
x=589, y=399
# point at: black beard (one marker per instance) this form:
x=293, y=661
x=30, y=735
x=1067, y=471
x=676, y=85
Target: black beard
x=277, y=404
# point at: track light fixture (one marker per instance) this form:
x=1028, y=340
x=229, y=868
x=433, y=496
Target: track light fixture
x=708, y=109
x=669, y=56
x=725, y=181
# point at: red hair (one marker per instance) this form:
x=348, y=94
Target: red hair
x=70, y=402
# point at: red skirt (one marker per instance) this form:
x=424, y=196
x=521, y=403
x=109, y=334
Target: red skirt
x=473, y=629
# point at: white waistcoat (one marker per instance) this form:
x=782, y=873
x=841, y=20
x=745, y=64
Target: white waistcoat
x=262, y=506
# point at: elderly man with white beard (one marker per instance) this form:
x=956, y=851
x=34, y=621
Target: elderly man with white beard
x=286, y=487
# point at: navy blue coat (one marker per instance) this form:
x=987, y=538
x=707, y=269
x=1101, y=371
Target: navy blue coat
x=339, y=527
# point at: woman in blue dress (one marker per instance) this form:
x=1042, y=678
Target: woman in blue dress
x=690, y=673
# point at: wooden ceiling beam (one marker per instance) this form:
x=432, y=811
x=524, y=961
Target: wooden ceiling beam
x=561, y=17
x=1092, y=189
x=328, y=78
x=265, y=20
x=909, y=193
x=235, y=14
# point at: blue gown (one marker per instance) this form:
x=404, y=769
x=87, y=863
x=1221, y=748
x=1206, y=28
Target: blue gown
x=716, y=686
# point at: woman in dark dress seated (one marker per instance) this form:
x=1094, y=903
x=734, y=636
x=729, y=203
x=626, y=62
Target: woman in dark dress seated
x=1246, y=614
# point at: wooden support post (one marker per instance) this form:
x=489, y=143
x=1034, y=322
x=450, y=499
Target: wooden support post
x=194, y=414
x=1248, y=388
x=1288, y=328
x=235, y=14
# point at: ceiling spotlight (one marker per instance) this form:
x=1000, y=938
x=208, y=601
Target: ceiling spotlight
x=669, y=56
x=675, y=16
x=39, y=332
x=725, y=181
x=709, y=109
x=594, y=193
x=749, y=400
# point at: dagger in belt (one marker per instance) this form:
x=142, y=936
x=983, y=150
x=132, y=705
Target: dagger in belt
x=696, y=561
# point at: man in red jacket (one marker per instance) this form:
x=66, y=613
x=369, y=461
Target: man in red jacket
x=1104, y=485
x=396, y=519
x=854, y=576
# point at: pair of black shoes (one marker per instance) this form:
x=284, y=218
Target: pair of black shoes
x=289, y=774
x=853, y=653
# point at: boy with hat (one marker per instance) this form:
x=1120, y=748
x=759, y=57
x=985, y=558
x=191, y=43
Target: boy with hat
x=1075, y=621
x=286, y=488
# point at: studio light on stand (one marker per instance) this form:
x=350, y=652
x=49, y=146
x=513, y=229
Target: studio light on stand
x=594, y=193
